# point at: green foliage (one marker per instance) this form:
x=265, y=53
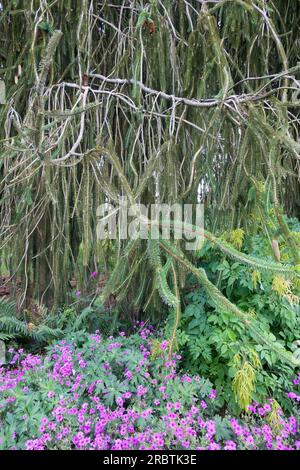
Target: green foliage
x=13, y=326
x=99, y=369
x=166, y=294
x=243, y=383
x=113, y=389
x=91, y=318
x=42, y=330
x=65, y=150
x=44, y=26
x=214, y=337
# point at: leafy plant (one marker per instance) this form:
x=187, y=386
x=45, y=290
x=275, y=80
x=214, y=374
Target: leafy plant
x=217, y=345
x=15, y=326
x=88, y=392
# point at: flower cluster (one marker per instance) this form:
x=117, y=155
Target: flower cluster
x=88, y=392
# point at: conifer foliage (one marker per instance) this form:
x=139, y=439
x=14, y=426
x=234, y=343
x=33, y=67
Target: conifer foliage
x=158, y=101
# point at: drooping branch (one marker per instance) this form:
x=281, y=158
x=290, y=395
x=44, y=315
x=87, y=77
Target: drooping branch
x=204, y=103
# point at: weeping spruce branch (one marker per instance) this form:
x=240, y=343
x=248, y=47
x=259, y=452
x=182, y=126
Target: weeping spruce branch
x=161, y=271
x=222, y=302
x=248, y=260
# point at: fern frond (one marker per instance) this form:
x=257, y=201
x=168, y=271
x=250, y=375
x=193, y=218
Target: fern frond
x=6, y=337
x=11, y=325
x=7, y=308
x=45, y=333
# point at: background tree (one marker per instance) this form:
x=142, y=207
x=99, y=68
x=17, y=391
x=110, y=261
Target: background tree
x=169, y=101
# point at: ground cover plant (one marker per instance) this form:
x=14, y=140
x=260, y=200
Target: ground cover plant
x=122, y=392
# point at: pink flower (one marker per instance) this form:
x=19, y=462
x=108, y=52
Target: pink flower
x=230, y=445
x=177, y=405
x=267, y=407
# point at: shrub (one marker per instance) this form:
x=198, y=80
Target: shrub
x=216, y=345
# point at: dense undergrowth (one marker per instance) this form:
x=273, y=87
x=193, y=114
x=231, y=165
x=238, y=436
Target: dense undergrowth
x=212, y=341
x=215, y=344
x=88, y=392
x=210, y=385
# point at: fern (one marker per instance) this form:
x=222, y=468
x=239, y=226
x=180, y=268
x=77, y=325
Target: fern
x=82, y=318
x=44, y=333
x=6, y=336
x=7, y=308
x=12, y=327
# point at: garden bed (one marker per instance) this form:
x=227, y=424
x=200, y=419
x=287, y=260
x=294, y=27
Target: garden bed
x=94, y=393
